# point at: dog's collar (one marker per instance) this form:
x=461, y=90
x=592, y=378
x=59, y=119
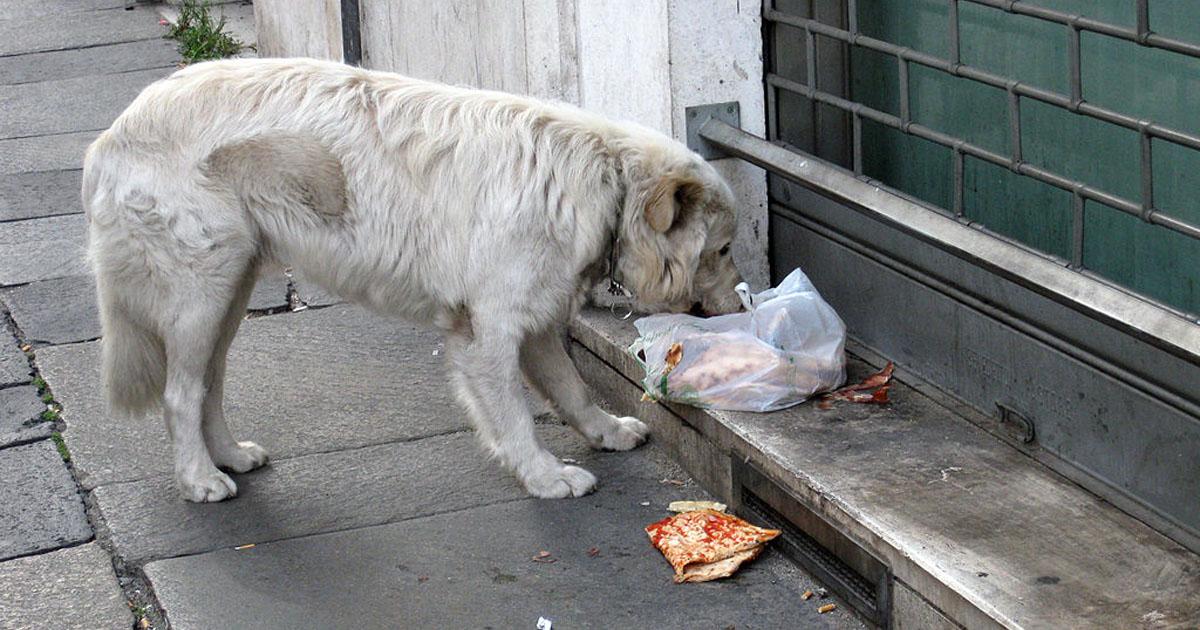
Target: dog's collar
x=621, y=307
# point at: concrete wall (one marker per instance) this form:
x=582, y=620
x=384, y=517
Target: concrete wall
x=640, y=60
x=299, y=28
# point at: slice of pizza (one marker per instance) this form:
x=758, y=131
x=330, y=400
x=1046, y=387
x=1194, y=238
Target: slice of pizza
x=705, y=545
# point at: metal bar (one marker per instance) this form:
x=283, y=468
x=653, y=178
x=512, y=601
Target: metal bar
x=958, y=182
x=810, y=58
x=810, y=77
x=856, y=140
x=1153, y=324
x=1014, y=124
x=905, y=102
x=852, y=18
x=1147, y=179
x=1075, y=64
x=1077, y=210
x=1149, y=39
x=952, y=34
x=1143, y=21
x=982, y=76
x=1024, y=168
x=351, y=33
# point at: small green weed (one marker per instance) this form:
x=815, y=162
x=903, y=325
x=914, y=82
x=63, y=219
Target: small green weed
x=61, y=446
x=200, y=36
x=39, y=383
x=50, y=415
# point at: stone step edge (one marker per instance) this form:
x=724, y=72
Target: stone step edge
x=719, y=441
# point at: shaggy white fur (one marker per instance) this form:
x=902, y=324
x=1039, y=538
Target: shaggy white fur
x=484, y=214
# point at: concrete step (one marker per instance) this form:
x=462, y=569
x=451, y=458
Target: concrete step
x=930, y=520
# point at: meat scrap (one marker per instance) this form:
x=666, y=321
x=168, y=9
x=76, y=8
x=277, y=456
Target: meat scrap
x=705, y=544
x=872, y=390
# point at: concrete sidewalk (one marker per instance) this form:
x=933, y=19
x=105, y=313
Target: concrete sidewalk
x=378, y=509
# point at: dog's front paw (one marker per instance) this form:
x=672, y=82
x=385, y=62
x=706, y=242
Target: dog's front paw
x=207, y=487
x=559, y=481
x=246, y=456
x=624, y=434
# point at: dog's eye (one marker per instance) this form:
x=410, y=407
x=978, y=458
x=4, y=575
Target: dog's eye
x=724, y=250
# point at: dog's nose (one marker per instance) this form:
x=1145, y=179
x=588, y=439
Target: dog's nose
x=698, y=310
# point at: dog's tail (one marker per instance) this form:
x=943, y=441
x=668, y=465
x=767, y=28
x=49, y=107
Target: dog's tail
x=133, y=356
x=133, y=360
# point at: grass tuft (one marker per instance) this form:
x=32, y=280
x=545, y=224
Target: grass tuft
x=61, y=446
x=200, y=36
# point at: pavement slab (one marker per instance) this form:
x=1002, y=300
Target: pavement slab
x=64, y=310
x=68, y=589
x=324, y=492
x=83, y=103
x=60, y=310
x=24, y=9
x=82, y=29
x=313, y=381
x=475, y=568
x=40, y=249
x=40, y=194
x=43, y=510
x=97, y=61
x=45, y=153
x=14, y=366
x=20, y=416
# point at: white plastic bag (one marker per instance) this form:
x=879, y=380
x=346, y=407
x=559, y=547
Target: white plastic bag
x=787, y=347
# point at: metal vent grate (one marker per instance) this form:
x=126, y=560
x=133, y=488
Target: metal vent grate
x=846, y=568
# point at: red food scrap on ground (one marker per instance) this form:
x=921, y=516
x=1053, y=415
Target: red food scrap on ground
x=879, y=383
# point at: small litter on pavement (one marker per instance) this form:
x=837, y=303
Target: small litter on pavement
x=827, y=608
x=807, y=595
x=706, y=544
x=544, y=557
x=593, y=552
x=691, y=506
x=544, y=624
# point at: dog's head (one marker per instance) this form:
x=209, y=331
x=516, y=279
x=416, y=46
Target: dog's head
x=677, y=228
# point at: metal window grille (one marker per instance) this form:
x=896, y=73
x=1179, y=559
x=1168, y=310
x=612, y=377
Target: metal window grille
x=1148, y=131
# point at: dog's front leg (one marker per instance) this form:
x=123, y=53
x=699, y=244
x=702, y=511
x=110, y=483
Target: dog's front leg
x=485, y=369
x=550, y=370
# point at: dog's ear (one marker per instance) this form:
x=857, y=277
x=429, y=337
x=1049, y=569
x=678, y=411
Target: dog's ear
x=668, y=198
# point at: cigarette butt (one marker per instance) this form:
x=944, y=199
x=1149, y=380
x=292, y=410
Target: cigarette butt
x=806, y=595
x=827, y=608
x=241, y=547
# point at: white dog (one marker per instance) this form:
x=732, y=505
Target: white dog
x=485, y=214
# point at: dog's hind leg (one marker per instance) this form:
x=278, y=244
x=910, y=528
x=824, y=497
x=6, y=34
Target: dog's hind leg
x=226, y=452
x=550, y=370
x=190, y=343
x=485, y=369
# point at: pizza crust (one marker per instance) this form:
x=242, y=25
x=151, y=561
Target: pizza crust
x=705, y=544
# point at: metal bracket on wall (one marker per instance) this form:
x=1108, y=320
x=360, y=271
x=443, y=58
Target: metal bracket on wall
x=1016, y=424
x=729, y=113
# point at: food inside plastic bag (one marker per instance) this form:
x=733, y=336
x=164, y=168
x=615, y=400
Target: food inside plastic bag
x=788, y=346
